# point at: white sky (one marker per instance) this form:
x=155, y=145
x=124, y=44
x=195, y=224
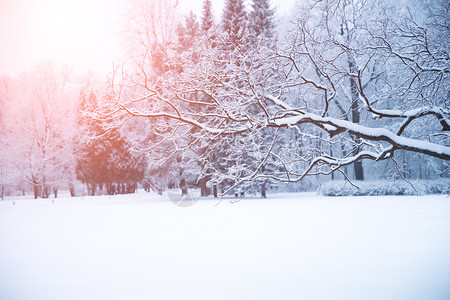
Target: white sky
x=83, y=33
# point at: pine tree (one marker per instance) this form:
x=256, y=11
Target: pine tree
x=187, y=32
x=106, y=158
x=207, y=20
x=234, y=21
x=261, y=21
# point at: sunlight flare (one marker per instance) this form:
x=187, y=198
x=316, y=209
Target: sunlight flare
x=81, y=33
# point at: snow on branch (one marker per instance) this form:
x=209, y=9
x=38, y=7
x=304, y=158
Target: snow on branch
x=332, y=126
x=342, y=90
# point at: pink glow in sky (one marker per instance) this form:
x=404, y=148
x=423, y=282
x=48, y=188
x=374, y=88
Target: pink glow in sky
x=81, y=33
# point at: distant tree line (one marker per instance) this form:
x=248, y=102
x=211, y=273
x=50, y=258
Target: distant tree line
x=351, y=85
x=349, y=90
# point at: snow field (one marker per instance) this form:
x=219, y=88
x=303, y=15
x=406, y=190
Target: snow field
x=290, y=246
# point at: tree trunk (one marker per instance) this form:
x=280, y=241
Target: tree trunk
x=263, y=190
x=215, y=190
x=359, y=171
x=71, y=190
x=183, y=186
x=109, y=188
x=358, y=167
x=203, y=188
x=131, y=187
x=331, y=154
x=146, y=186
x=36, y=190
x=344, y=154
x=91, y=189
x=420, y=168
x=45, y=191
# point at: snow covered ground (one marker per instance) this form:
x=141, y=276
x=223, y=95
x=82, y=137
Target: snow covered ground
x=289, y=246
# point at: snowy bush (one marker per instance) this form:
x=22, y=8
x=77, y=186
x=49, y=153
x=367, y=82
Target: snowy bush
x=379, y=188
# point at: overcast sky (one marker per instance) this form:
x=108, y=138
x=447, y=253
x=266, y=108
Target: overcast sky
x=84, y=33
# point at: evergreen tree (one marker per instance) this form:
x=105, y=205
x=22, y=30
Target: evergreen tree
x=207, y=20
x=234, y=21
x=187, y=32
x=261, y=21
x=106, y=159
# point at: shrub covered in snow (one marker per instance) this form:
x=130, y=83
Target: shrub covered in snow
x=388, y=187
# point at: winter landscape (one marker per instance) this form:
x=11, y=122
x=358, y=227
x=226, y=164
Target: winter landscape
x=174, y=149
x=288, y=246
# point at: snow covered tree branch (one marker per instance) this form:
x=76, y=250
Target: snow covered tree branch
x=348, y=86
